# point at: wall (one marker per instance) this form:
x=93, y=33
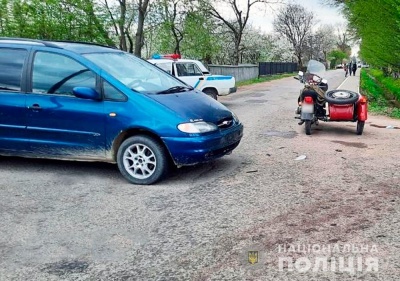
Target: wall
x=240, y=72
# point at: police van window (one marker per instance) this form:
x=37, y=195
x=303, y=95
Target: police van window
x=181, y=70
x=188, y=69
x=57, y=74
x=11, y=64
x=110, y=93
x=165, y=66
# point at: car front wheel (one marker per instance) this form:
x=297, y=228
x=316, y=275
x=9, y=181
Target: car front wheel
x=211, y=92
x=142, y=160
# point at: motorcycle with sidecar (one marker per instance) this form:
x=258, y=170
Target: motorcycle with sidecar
x=316, y=103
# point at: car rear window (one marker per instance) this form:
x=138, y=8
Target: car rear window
x=11, y=66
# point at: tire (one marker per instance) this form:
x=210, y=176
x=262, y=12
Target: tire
x=211, y=92
x=307, y=125
x=341, y=97
x=360, y=127
x=142, y=160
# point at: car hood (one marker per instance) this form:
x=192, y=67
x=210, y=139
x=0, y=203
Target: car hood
x=194, y=106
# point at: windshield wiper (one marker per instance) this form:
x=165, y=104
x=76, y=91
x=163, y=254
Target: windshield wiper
x=175, y=89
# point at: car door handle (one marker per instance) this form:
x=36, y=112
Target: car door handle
x=35, y=106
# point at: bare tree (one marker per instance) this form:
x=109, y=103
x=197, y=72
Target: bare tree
x=326, y=40
x=295, y=23
x=174, y=19
x=344, y=39
x=320, y=43
x=121, y=18
x=238, y=25
x=139, y=40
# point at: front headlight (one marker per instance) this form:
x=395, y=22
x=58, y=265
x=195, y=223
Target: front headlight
x=234, y=116
x=197, y=127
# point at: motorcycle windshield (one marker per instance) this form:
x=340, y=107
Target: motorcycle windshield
x=315, y=67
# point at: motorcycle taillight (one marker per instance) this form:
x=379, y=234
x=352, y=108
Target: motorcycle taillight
x=363, y=100
x=308, y=100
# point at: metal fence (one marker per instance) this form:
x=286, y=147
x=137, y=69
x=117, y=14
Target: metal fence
x=269, y=68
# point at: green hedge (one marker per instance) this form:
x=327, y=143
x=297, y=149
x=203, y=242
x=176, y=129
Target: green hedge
x=383, y=93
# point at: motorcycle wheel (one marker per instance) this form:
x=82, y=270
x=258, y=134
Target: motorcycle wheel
x=308, y=127
x=360, y=127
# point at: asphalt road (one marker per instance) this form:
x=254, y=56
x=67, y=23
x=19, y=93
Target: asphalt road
x=83, y=221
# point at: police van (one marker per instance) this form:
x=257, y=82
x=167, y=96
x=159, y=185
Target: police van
x=194, y=73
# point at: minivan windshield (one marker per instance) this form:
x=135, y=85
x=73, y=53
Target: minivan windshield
x=137, y=74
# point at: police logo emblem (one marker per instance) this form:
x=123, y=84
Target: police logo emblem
x=253, y=257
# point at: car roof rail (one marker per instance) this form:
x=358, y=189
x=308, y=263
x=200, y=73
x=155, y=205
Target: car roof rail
x=84, y=43
x=51, y=43
x=26, y=40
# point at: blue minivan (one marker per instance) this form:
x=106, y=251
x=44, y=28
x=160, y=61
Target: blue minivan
x=79, y=101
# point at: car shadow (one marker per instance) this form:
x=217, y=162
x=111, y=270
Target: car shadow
x=33, y=165
x=108, y=171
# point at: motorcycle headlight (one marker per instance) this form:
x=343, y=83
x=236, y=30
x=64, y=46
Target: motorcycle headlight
x=197, y=127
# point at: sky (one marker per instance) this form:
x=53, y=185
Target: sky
x=263, y=17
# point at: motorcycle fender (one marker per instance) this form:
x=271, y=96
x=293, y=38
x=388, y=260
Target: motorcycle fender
x=362, y=109
x=307, y=116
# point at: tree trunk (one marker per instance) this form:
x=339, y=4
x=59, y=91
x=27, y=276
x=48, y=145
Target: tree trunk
x=139, y=42
x=121, y=25
x=236, y=54
x=299, y=60
x=130, y=42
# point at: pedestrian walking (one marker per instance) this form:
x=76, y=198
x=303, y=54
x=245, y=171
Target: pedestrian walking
x=349, y=68
x=346, y=70
x=354, y=68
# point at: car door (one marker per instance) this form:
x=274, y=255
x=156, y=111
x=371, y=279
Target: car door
x=188, y=72
x=60, y=124
x=12, y=100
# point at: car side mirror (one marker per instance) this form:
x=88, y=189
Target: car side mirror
x=86, y=93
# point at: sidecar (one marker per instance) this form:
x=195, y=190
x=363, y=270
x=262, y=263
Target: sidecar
x=344, y=105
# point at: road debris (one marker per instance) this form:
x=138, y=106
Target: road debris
x=301, y=157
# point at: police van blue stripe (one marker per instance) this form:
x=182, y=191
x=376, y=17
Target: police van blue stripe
x=219, y=77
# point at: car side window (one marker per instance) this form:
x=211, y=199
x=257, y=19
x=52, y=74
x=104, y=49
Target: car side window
x=111, y=93
x=188, y=69
x=181, y=70
x=58, y=75
x=11, y=65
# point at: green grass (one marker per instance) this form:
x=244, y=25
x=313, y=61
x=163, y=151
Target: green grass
x=264, y=79
x=383, y=93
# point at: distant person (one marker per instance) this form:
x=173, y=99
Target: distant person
x=349, y=68
x=354, y=68
x=346, y=70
